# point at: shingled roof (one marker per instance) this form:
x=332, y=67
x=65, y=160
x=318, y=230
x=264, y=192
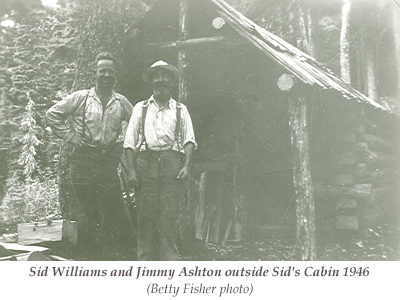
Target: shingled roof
x=300, y=64
x=303, y=66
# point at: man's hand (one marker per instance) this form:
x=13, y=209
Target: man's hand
x=133, y=180
x=78, y=141
x=183, y=173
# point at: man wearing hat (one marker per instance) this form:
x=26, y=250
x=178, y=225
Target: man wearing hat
x=91, y=122
x=158, y=148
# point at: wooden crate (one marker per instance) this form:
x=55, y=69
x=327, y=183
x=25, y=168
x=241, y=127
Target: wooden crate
x=48, y=231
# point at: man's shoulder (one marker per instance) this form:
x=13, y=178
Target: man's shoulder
x=120, y=96
x=80, y=93
x=179, y=105
x=123, y=99
x=142, y=103
x=76, y=96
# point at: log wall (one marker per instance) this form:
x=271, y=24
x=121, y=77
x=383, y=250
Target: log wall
x=354, y=166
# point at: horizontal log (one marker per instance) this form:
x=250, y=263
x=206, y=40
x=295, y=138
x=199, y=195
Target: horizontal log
x=286, y=82
x=377, y=176
x=348, y=158
x=374, y=158
x=347, y=137
x=381, y=195
x=346, y=222
x=346, y=203
x=361, y=168
x=373, y=128
x=187, y=42
x=359, y=190
x=344, y=179
x=376, y=142
x=336, y=191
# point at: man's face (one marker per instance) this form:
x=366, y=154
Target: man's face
x=162, y=81
x=105, y=73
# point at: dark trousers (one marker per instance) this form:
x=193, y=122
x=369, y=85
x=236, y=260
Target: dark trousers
x=159, y=197
x=105, y=230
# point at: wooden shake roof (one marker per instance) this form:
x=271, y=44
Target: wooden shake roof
x=300, y=64
x=303, y=66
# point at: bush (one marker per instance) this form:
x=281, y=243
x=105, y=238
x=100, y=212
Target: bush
x=30, y=202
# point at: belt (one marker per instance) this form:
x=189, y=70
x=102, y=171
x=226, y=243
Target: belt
x=157, y=152
x=99, y=150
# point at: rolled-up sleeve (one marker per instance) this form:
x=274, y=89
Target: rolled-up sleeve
x=132, y=132
x=187, y=128
x=57, y=115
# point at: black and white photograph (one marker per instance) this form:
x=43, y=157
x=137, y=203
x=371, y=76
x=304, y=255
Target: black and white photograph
x=199, y=131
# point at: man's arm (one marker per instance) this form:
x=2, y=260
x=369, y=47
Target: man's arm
x=184, y=172
x=57, y=115
x=188, y=140
x=131, y=139
x=128, y=163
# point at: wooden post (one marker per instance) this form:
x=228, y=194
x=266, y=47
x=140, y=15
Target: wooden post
x=305, y=229
x=396, y=34
x=188, y=229
x=237, y=196
x=182, y=64
x=305, y=224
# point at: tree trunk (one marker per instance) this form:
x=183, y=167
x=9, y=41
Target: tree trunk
x=396, y=31
x=368, y=45
x=306, y=42
x=101, y=29
x=305, y=232
x=187, y=215
x=344, y=43
x=305, y=225
x=183, y=34
x=370, y=64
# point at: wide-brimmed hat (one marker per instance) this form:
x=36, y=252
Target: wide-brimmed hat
x=148, y=72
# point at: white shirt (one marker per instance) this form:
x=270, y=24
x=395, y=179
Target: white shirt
x=159, y=127
x=103, y=127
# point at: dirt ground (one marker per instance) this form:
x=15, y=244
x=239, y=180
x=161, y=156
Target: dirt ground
x=379, y=244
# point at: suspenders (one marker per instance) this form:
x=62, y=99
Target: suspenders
x=141, y=124
x=178, y=125
x=143, y=120
x=84, y=116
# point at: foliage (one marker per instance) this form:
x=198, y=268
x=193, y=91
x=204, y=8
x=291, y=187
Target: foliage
x=102, y=29
x=30, y=202
x=37, y=67
x=33, y=76
x=18, y=10
x=30, y=141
